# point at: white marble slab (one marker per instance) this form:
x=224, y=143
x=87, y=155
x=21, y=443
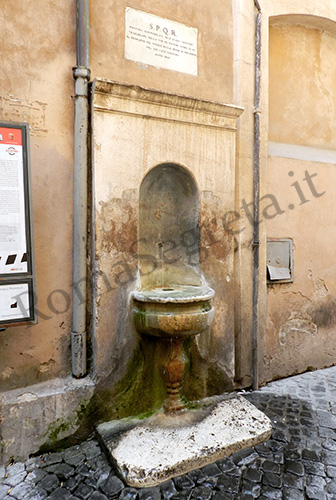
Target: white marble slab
x=159, y=42
x=161, y=447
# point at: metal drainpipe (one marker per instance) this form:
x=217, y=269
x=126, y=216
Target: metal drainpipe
x=81, y=74
x=256, y=200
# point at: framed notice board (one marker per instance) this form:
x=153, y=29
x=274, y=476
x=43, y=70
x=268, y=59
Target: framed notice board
x=17, y=264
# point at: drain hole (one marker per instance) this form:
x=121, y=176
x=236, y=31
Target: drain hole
x=167, y=289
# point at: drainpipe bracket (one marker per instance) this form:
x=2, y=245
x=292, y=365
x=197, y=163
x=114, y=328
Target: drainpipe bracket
x=82, y=78
x=81, y=72
x=81, y=87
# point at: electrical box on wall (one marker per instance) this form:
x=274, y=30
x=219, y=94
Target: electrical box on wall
x=279, y=260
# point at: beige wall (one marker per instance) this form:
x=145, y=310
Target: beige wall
x=302, y=99
x=215, y=47
x=298, y=98
x=300, y=315
x=36, y=86
x=298, y=102
x=302, y=95
x=288, y=91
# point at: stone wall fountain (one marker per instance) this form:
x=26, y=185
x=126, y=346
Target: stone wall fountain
x=172, y=303
x=163, y=178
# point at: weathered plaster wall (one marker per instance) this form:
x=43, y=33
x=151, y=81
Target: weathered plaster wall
x=302, y=94
x=316, y=16
x=302, y=99
x=301, y=317
x=36, y=86
x=215, y=47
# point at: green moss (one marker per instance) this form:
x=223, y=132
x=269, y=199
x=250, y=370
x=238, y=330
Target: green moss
x=56, y=428
x=80, y=412
x=218, y=381
x=145, y=415
x=141, y=390
x=139, y=393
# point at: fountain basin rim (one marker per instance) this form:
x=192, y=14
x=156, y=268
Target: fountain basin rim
x=175, y=294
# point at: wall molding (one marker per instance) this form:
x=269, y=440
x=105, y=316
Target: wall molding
x=305, y=153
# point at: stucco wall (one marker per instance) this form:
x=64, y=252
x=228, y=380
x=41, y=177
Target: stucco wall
x=36, y=86
x=302, y=99
x=302, y=95
x=38, y=45
x=38, y=53
x=288, y=91
x=298, y=97
x=215, y=47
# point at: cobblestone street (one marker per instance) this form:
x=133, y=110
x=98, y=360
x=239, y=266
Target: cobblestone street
x=298, y=462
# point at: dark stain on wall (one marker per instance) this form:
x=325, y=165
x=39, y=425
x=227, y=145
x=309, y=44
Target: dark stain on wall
x=323, y=313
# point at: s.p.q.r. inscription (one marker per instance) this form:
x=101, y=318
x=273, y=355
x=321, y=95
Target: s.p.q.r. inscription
x=159, y=42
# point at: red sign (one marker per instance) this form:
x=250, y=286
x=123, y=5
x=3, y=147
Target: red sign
x=11, y=136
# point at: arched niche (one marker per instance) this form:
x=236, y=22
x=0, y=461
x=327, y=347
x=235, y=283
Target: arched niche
x=169, y=231
x=302, y=93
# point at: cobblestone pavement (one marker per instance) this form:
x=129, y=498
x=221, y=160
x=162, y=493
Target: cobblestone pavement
x=298, y=462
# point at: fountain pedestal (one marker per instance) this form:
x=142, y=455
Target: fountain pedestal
x=173, y=442
x=173, y=376
x=173, y=314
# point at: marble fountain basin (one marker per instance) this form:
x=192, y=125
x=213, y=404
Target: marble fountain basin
x=173, y=312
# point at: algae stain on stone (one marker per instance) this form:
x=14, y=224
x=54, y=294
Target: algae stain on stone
x=57, y=428
x=139, y=393
x=142, y=389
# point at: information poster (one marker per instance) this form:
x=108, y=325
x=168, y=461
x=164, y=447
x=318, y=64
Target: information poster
x=160, y=42
x=13, y=244
x=17, y=280
x=14, y=302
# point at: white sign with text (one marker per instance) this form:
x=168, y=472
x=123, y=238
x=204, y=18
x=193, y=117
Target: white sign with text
x=160, y=42
x=13, y=244
x=14, y=301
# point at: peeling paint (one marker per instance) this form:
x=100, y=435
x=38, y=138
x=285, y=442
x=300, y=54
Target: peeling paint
x=7, y=372
x=44, y=367
x=25, y=110
x=320, y=287
x=296, y=325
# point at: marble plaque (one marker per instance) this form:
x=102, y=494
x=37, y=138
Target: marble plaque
x=160, y=42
